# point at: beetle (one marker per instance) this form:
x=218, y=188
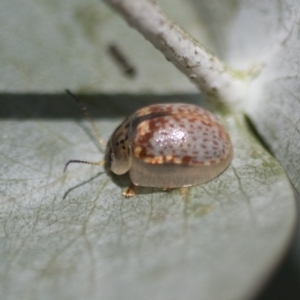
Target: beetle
x=168, y=146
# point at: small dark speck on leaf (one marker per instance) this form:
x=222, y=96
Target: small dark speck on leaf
x=122, y=61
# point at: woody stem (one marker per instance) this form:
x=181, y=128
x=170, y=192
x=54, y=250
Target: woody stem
x=204, y=69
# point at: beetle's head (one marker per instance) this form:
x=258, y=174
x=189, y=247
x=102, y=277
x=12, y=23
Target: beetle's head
x=118, y=155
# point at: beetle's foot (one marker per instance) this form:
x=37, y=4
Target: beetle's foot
x=184, y=190
x=130, y=192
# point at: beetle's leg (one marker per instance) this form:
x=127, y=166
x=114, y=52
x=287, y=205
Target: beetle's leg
x=167, y=189
x=130, y=192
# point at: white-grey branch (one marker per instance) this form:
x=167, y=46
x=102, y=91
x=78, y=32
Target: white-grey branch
x=203, y=68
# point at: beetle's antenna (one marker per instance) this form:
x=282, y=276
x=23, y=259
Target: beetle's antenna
x=99, y=163
x=96, y=132
x=88, y=116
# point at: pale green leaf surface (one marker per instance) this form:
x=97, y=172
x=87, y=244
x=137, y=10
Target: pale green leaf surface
x=266, y=34
x=277, y=115
x=75, y=236
x=47, y=46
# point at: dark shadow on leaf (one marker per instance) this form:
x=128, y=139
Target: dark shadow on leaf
x=253, y=129
x=62, y=106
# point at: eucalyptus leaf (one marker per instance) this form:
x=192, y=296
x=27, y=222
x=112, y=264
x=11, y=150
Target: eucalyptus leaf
x=73, y=235
x=47, y=46
x=264, y=35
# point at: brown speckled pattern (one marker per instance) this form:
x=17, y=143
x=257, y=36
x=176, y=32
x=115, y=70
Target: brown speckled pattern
x=178, y=134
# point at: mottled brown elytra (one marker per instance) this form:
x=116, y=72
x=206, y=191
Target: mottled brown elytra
x=169, y=146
